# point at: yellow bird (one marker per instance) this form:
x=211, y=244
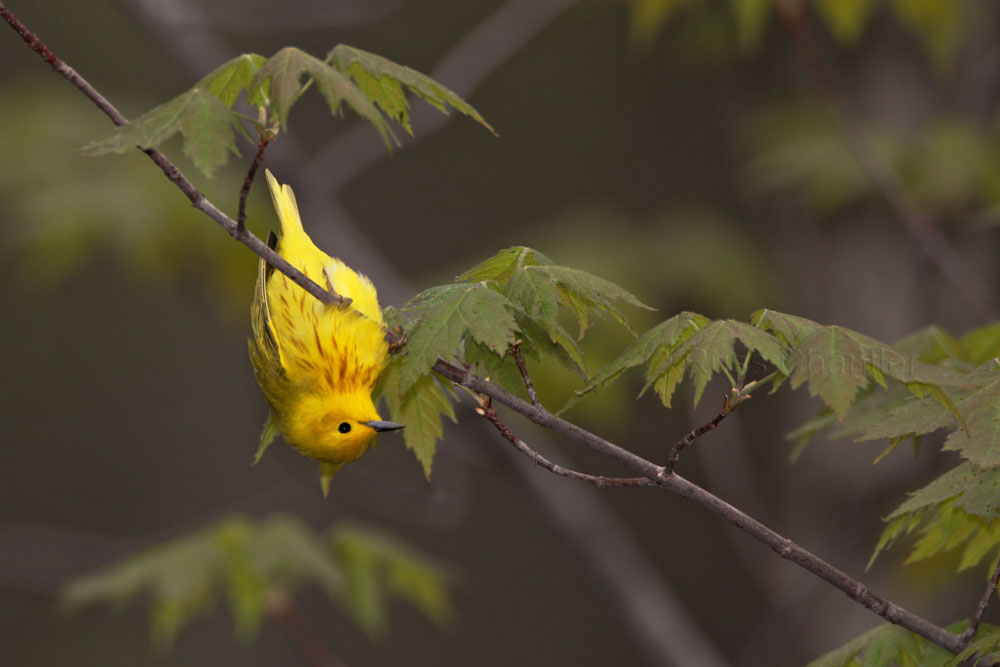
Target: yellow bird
x=316, y=364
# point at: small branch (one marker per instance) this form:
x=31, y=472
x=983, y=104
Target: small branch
x=532, y=394
x=198, y=200
x=313, y=649
x=241, y=216
x=675, y=451
x=674, y=483
x=977, y=617
x=484, y=410
x=935, y=246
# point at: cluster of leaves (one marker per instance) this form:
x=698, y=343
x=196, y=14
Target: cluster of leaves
x=258, y=565
x=517, y=296
x=936, y=23
x=960, y=508
x=372, y=86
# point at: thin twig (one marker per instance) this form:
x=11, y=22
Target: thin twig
x=532, y=394
x=198, y=200
x=675, y=451
x=484, y=410
x=977, y=617
x=241, y=216
x=674, y=483
x=313, y=649
x=915, y=220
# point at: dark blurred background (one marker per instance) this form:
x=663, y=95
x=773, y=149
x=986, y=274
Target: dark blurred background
x=682, y=149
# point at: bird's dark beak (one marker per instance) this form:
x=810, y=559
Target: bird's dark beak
x=384, y=426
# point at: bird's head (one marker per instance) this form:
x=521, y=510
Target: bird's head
x=336, y=429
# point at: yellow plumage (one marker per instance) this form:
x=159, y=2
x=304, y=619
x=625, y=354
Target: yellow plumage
x=316, y=364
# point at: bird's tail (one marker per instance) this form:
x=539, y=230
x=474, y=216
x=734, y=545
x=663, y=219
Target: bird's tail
x=284, y=204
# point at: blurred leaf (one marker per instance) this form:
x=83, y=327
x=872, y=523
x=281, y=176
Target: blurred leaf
x=256, y=565
x=649, y=17
x=846, y=19
x=377, y=567
x=751, y=20
x=979, y=440
x=382, y=81
x=936, y=22
x=986, y=642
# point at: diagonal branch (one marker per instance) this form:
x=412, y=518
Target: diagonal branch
x=915, y=220
x=241, y=217
x=694, y=434
x=528, y=384
x=674, y=483
x=198, y=200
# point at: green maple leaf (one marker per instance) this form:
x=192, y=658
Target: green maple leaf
x=420, y=407
x=382, y=81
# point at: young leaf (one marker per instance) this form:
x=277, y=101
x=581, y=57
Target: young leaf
x=973, y=489
x=985, y=642
x=449, y=315
x=584, y=292
x=382, y=81
x=501, y=371
x=708, y=351
x=420, y=407
x=229, y=79
x=663, y=338
x=503, y=265
x=789, y=329
x=267, y=436
x=912, y=418
x=283, y=73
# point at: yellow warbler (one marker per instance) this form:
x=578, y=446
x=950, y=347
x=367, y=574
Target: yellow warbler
x=315, y=363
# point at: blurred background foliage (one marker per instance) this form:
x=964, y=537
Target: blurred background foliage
x=677, y=147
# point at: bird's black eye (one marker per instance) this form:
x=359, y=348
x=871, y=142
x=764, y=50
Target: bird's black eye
x=344, y=427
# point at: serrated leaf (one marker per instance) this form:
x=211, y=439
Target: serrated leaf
x=982, y=344
x=420, y=407
x=456, y=312
x=556, y=342
x=267, y=436
x=915, y=417
x=148, y=130
x=282, y=75
x=229, y=79
x=584, y=292
x=207, y=127
x=789, y=329
x=664, y=337
x=712, y=348
x=503, y=265
x=975, y=490
x=985, y=642
x=381, y=80
x=205, y=123
x=979, y=441
x=537, y=295
x=501, y=371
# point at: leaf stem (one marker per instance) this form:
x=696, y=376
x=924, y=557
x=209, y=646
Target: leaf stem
x=532, y=394
x=675, y=451
x=984, y=602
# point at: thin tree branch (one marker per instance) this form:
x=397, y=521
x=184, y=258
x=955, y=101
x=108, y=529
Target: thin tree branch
x=915, y=220
x=674, y=483
x=485, y=410
x=675, y=451
x=198, y=200
x=519, y=359
x=977, y=617
x=241, y=217
x=313, y=649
